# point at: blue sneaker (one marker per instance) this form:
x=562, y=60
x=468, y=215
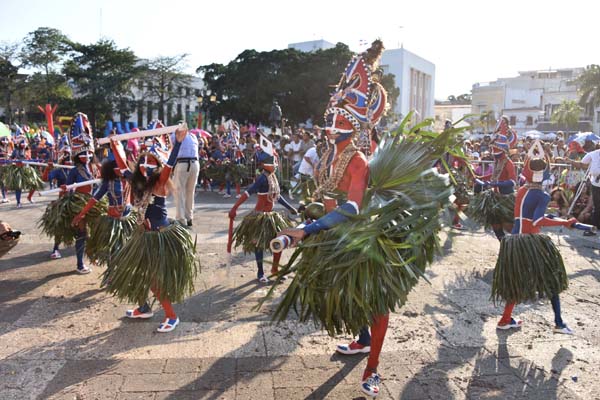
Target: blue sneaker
x=143, y=312
x=513, y=324
x=370, y=386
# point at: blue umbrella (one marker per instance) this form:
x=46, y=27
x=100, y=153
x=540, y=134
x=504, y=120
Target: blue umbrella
x=581, y=137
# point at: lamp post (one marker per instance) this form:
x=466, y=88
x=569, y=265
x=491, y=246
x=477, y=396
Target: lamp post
x=199, y=123
x=206, y=101
x=19, y=113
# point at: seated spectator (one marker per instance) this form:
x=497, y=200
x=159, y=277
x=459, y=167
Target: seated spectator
x=559, y=202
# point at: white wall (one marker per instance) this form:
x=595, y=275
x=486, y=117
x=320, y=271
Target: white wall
x=520, y=98
x=399, y=63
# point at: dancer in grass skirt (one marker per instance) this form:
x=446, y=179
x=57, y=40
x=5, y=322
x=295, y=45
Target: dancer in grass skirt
x=358, y=263
x=529, y=265
x=20, y=176
x=57, y=177
x=494, y=206
x=160, y=256
x=5, y=151
x=258, y=228
x=56, y=221
x=111, y=230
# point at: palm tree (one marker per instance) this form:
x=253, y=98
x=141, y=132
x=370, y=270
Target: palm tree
x=567, y=114
x=589, y=86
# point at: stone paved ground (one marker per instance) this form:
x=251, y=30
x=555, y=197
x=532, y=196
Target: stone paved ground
x=61, y=337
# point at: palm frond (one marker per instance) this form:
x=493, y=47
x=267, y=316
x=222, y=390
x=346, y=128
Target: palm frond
x=57, y=218
x=22, y=178
x=257, y=229
x=365, y=267
x=489, y=208
x=529, y=266
x=164, y=261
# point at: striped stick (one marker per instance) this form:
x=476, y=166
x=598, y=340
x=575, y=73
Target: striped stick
x=135, y=135
x=72, y=186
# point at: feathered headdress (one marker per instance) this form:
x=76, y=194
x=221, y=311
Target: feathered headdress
x=505, y=138
x=81, y=138
x=359, y=100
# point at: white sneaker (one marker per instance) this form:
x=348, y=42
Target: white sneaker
x=565, y=330
x=4, y=201
x=226, y=196
x=370, y=386
x=221, y=192
x=84, y=270
x=168, y=325
x=237, y=196
x=55, y=255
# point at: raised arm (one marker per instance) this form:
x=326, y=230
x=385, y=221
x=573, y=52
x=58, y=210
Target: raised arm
x=180, y=134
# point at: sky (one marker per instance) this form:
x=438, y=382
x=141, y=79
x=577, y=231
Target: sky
x=469, y=41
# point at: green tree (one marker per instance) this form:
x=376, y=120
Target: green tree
x=589, y=86
x=11, y=82
x=103, y=75
x=45, y=49
x=300, y=82
x=165, y=81
x=389, y=84
x=567, y=114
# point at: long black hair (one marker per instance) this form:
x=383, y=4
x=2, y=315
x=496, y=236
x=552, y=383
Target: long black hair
x=140, y=184
x=107, y=170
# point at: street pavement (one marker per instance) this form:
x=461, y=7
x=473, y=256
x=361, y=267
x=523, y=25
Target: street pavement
x=62, y=337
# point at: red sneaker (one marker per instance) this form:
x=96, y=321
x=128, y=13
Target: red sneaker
x=352, y=348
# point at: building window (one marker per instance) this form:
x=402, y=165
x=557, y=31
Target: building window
x=513, y=120
x=529, y=120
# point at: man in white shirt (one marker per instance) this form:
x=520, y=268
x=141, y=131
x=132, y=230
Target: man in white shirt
x=309, y=162
x=592, y=161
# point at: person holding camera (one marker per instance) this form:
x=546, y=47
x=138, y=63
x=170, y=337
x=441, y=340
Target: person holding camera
x=592, y=161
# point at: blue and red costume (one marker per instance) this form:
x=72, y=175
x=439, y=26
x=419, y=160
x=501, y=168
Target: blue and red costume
x=22, y=153
x=154, y=218
x=503, y=179
x=57, y=177
x=264, y=203
x=530, y=208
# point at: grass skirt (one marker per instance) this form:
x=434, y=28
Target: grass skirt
x=163, y=260
x=344, y=280
x=107, y=236
x=257, y=229
x=491, y=208
x=56, y=220
x=529, y=266
x=22, y=178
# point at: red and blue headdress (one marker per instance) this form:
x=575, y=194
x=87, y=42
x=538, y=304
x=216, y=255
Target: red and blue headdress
x=81, y=135
x=505, y=137
x=359, y=100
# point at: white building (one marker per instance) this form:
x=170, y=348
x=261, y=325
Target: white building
x=530, y=98
x=453, y=112
x=312, y=45
x=415, y=77
x=184, y=106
